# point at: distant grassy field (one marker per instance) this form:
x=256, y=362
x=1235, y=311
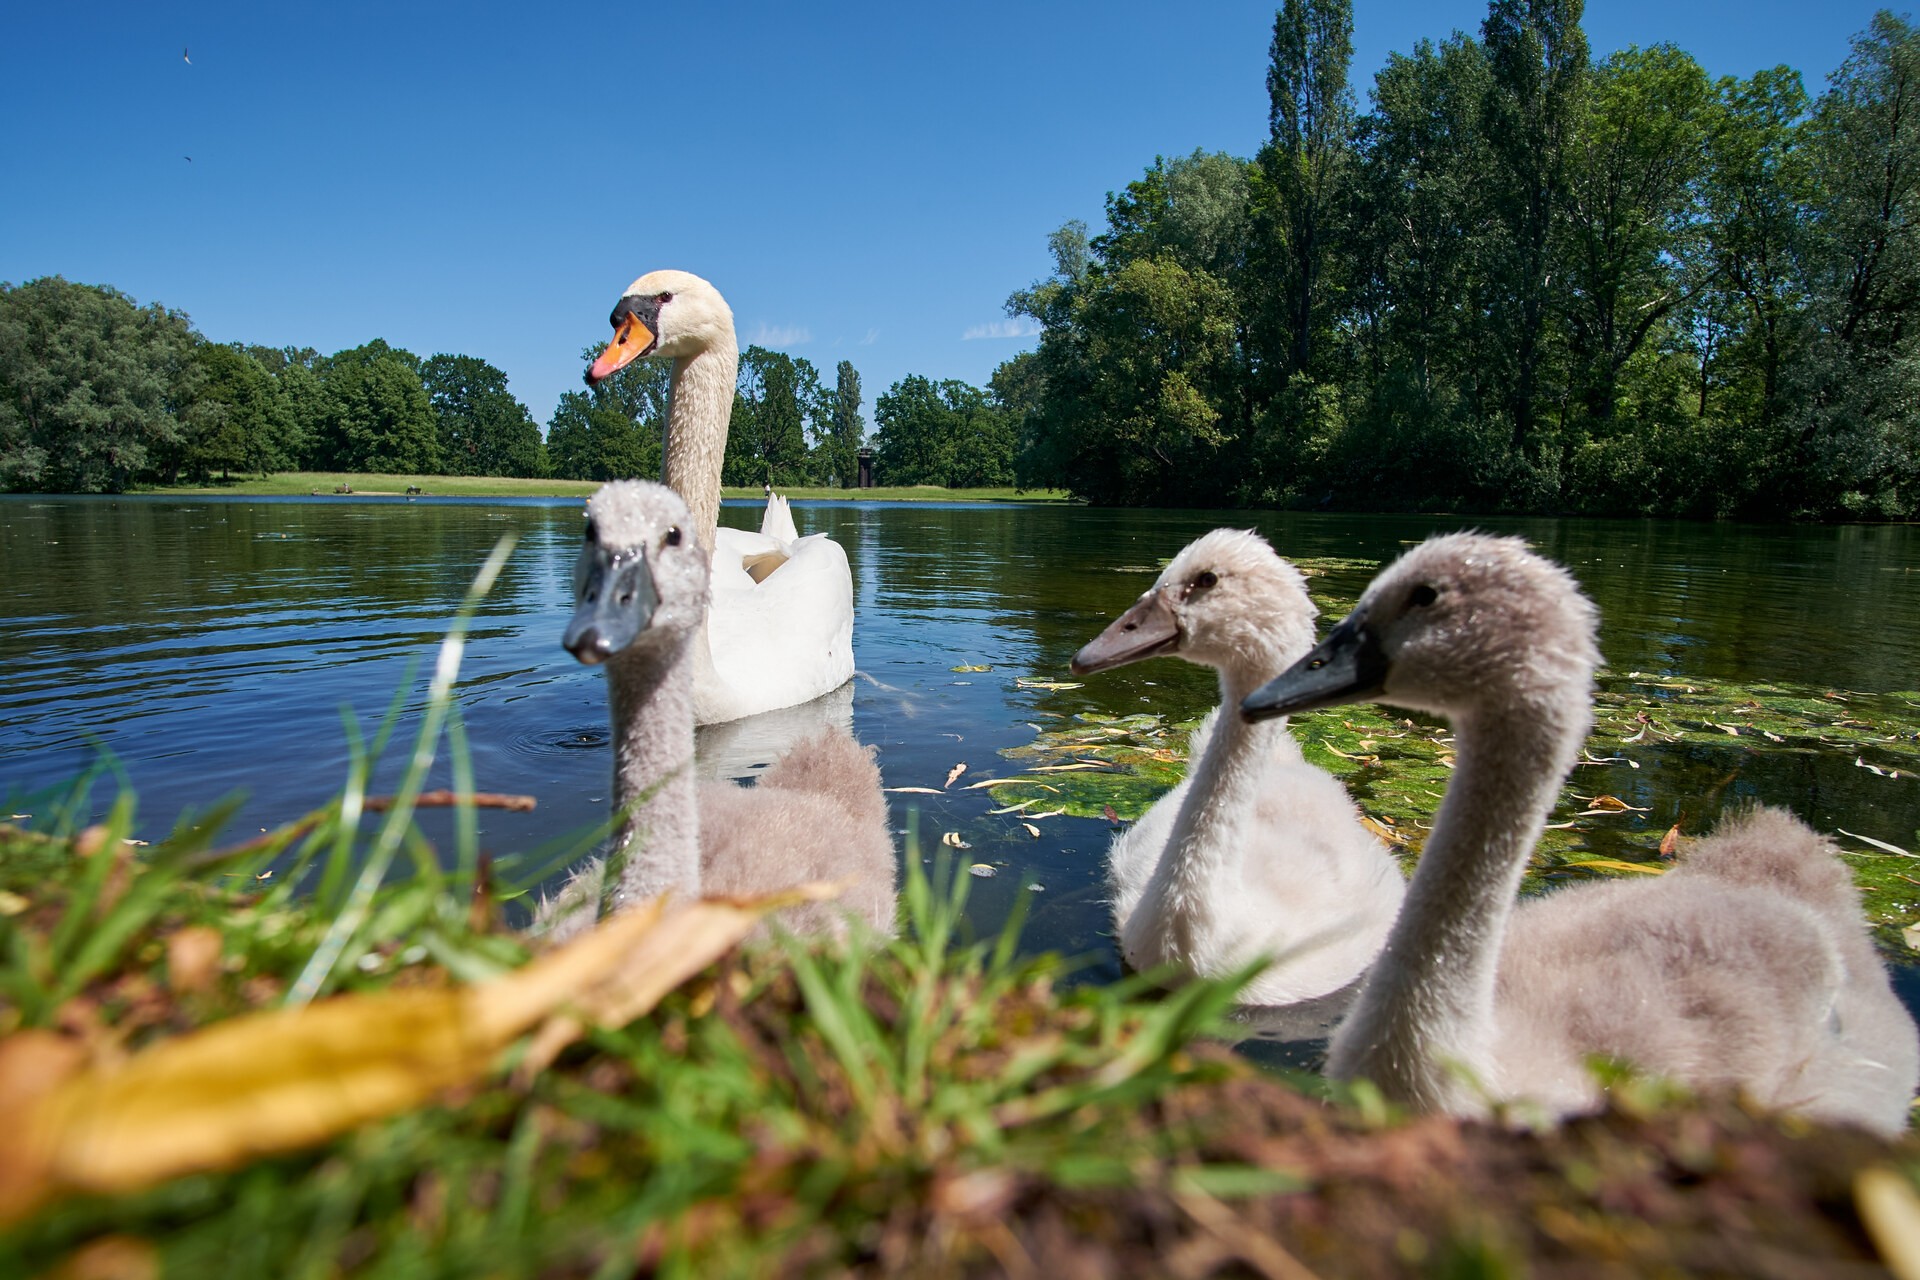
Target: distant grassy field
x=329, y=482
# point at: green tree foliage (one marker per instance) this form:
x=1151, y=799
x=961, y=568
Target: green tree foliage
x=1307, y=165
x=847, y=430
x=90, y=386
x=482, y=429
x=374, y=414
x=239, y=419
x=1856, y=428
x=615, y=430
x=779, y=398
x=1520, y=281
x=948, y=433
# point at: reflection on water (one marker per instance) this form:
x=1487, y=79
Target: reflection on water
x=216, y=645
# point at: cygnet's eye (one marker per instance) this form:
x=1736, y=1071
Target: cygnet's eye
x=665, y=297
x=673, y=536
x=1207, y=579
x=1422, y=596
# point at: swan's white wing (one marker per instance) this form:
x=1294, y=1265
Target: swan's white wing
x=782, y=640
x=777, y=522
x=742, y=558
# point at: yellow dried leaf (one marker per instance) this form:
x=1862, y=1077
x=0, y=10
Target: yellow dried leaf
x=685, y=943
x=1891, y=1212
x=953, y=841
x=1031, y=830
x=1613, y=804
x=954, y=772
x=917, y=791
x=277, y=1081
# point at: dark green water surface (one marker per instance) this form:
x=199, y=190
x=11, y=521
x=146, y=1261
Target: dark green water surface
x=211, y=645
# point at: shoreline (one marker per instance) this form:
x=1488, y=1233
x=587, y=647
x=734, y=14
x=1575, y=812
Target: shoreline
x=316, y=484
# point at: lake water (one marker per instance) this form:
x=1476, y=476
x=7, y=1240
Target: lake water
x=210, y=646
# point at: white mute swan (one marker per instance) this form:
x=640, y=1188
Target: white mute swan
x=817, y=814
x=1746, y=966
x=780, y=627
x=1256, y=852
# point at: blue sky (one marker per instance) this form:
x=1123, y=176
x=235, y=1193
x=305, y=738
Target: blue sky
x=864, y=182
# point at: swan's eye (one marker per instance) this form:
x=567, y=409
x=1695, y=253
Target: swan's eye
x=665, y=297
x=1422, y=596
x=1207, y=579
x=673, y=536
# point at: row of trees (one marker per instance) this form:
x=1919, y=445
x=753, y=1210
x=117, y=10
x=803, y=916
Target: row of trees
x=98, y=393
x=1524, y=281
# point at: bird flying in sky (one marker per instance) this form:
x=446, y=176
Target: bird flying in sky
x=183, y=56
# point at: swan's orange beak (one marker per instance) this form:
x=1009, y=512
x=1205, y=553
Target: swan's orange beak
x=631, y=342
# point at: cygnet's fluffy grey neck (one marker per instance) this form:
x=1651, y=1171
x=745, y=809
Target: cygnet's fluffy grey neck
x=1427, y=1010
x=699, y=409
x=657, y=840
x=1205, y=847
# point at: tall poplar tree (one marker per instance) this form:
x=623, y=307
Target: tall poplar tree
x=1307, y=162
x=847, y=428
x=1537, y=54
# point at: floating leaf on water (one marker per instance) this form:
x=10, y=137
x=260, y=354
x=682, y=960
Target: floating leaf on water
x=918, y=791
x=1011, y=808
x=1878, y=844
x=954, y=772
x=971, y=667
x=1382, y=830
x=1036, y=888
x=1611, y=804
x=1051, y=686
x=1031, y=830
x=1066, y=768
x=1670, y=841
x=1614, y=864
x=953, y=841
x=983, y=870
x=1051, y=813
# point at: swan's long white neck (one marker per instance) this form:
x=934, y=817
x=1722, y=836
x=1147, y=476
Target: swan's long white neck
x=699, y=409
x=1207, y=843
x=1427, y=1010
x=657, y=842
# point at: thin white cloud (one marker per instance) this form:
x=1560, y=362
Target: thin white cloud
x=779, y=335
x=1018, y=327
x=873, y=336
